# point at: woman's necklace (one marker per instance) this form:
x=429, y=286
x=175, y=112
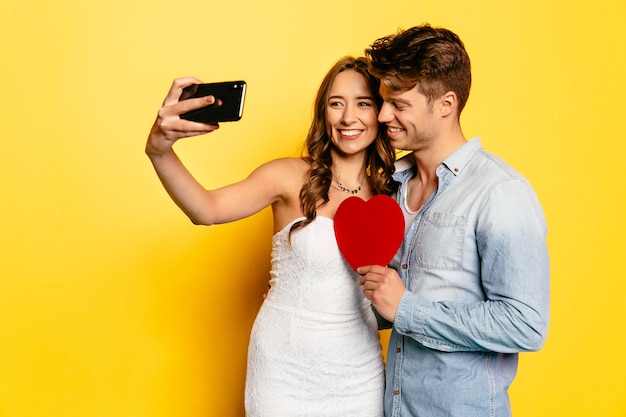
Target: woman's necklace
x=346, y=189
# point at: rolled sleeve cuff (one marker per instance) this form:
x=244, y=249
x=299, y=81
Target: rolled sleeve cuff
x=412, y=318
x=411, y=314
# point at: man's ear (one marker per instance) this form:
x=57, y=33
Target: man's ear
x=448, y=104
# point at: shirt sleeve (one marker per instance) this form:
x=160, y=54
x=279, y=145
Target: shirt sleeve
x=514, y=273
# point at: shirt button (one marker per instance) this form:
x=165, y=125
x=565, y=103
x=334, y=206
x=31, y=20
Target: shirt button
x=408, y=332
x=396, y=392
x=404, y=266
x=398, y=350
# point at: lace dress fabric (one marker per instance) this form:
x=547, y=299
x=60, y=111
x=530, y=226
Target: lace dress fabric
x=314, y=348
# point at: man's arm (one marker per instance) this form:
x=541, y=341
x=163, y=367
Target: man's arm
x=514, y=317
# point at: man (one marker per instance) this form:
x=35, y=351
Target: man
x=469, y=289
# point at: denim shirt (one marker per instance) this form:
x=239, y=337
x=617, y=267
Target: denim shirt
x=476, y=268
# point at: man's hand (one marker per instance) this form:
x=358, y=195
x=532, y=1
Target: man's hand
x=383, y=287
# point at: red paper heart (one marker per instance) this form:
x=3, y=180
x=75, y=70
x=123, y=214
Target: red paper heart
x=369, y=233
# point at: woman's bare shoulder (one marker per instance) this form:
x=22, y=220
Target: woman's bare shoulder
x=292, y=173
x=286, y=169
x=288, y=163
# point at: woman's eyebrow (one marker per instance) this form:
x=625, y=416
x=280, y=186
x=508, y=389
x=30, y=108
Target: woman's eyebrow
x=358, y=98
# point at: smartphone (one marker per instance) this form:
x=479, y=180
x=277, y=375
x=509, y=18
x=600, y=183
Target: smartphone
x=229, y=96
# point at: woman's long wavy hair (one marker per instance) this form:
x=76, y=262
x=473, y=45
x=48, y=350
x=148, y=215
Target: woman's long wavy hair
x=380, y=154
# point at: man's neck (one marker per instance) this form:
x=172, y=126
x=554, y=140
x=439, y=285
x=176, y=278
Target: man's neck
x=425, y=181
x=429, y=159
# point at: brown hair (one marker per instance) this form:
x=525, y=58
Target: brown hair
x=434, y=59
x=380, y=154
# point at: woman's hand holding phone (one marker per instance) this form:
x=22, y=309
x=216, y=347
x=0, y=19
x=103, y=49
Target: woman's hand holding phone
x=228, y=107
x=169, y=126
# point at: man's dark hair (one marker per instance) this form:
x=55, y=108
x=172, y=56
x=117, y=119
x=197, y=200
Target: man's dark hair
x=433, y=59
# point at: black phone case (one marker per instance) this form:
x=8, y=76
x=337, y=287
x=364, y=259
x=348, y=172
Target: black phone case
x=231, y=94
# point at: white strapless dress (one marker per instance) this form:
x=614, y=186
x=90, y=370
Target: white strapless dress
x=314, y=348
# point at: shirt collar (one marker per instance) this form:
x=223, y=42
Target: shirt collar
x=455, y=162
x=459, y=158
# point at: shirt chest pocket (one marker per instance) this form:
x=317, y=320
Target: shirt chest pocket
x=439, y=241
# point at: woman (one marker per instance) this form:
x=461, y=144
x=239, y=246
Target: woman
x=314, y=348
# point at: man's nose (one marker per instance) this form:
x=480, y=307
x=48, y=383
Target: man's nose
x=385, y=114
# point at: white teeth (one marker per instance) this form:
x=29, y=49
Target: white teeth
x=395, y=129
x=350, y=132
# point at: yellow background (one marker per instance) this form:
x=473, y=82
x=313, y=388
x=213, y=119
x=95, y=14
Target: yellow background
x=113, y=304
